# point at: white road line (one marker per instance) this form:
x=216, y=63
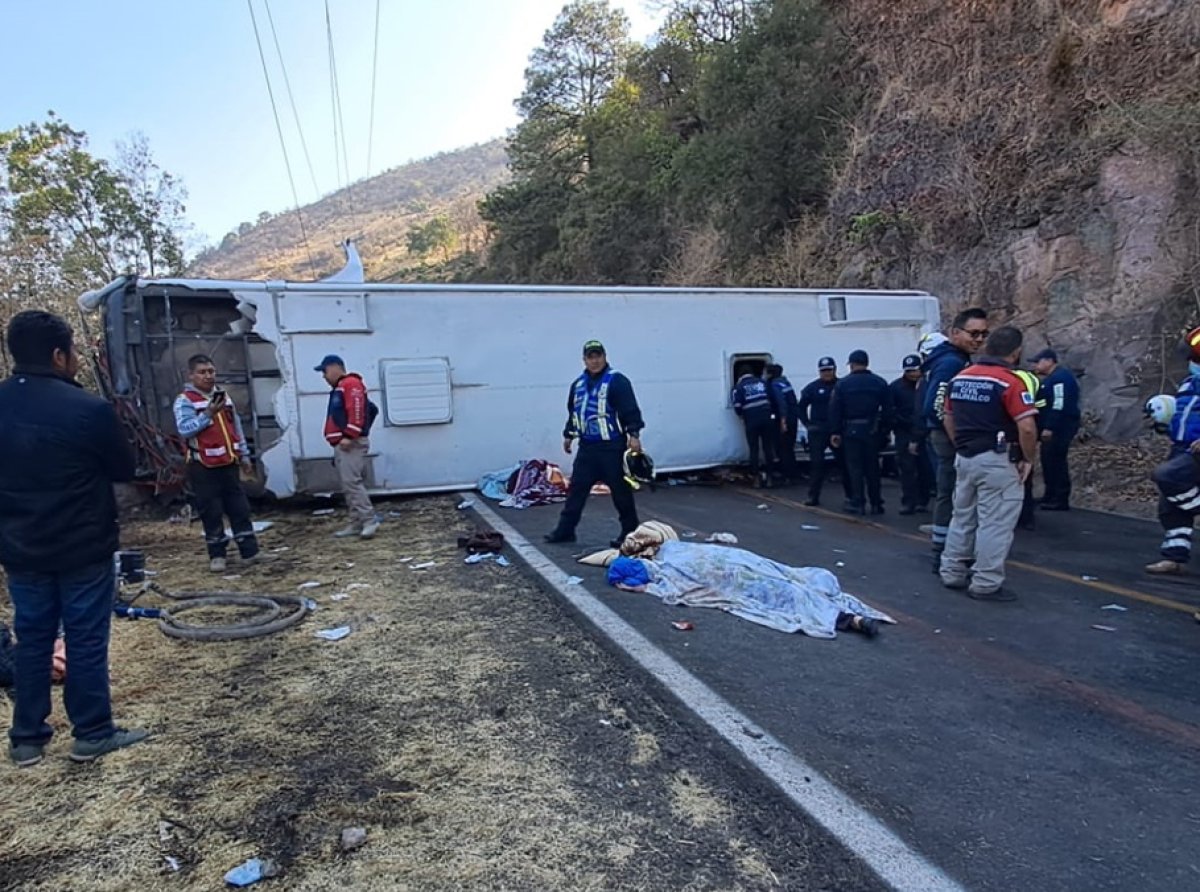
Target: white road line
x=884, y=852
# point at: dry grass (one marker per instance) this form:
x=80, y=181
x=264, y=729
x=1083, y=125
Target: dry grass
x=482, y=741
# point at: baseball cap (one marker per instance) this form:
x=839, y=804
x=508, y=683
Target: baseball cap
x=1045, y=354
x=330, y=359
x=593, y=347
x=826, y=362
x=859, y=357
x=912, y=361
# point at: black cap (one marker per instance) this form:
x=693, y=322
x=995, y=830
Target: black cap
x=826, y=362
x=330, y=359
x=1045, y=354
x=593, y=347
x=910, y=362
x=859, y=357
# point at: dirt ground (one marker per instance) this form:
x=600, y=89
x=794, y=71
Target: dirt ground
x=481, y=737
x=1116, y=476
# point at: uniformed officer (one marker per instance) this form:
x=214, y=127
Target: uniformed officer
x=991, y=420
x=786, y=408
x=814, y=415
x=916, y=474
x=860, y=410
x=752, y=403
x=1033, y=385
x=603, y=414
x=1059, y=424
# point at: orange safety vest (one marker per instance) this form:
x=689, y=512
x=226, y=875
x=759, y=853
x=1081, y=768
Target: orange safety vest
x=216, y=445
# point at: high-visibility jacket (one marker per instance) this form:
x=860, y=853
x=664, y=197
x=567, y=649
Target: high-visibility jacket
x=220, y=443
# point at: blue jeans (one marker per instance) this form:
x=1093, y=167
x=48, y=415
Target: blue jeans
x=82, y=601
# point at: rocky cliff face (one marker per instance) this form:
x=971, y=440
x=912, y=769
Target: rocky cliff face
x=1039, y=158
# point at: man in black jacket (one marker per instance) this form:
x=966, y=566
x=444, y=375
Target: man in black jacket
x=861, y=409
x=603, y=414
x=60, y=454
x=814, y=415
x=916, y=475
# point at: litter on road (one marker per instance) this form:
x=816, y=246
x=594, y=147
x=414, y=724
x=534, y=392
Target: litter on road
x=312, y=583
x=809, y=526
x=333, y=634
x=251, y=872
x=1117, y=607
x=574, y=580
x=1090, y=578
x=339, y=596
x=324, y=512
x=723, y=538
x=465, y=504
x=424, y=566
x=1100, y=628
x=683, y=625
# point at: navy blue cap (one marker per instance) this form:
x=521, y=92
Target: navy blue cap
x=826, y=362
x=330, y=359
x=912, y=361
x=1045, y=354
x=859, y=357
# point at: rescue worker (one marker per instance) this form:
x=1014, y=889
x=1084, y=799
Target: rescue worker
x=786, y=408
x=916, y=476
x=814, y=415
x=217, y=456
x=965, y=338
x=62, y=450
x=991, y=420
x=603, y=414
x=752, y=404
x=1059, y=424
x=861, y=408
x=1178, y=478
x=1034, y=385
x=348, y=421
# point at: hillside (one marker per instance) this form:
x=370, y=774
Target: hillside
x=378, y=213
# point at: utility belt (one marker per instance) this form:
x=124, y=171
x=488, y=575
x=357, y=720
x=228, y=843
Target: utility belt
x=861, y=427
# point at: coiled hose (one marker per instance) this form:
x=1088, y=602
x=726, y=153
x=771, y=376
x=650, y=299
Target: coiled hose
x=276, y=613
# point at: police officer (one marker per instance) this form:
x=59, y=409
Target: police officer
x=861, y=408
x=786, y=408
x=603, y=414
x=991, y=420
x=1059, y=424
x=752, y=403
x=916, y=475
x=814, y=415
x=1033, y=385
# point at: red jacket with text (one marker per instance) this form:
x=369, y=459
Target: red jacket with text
x=346, y=417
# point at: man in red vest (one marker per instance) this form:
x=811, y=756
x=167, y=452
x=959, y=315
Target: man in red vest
x=207, y=419
x=348, y=423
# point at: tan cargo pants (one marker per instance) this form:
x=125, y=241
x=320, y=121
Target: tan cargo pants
x=987, y=503
x=351, y=466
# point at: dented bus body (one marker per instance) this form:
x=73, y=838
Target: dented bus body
x=470, y=378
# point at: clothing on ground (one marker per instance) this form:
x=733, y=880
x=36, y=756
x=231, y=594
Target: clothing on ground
x=534, y=482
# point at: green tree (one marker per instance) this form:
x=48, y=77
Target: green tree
x=436, y=234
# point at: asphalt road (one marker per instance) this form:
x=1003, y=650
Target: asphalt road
x=1015, y=745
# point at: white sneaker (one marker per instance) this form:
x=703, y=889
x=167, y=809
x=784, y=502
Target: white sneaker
x=370, y=528
x=349, y=531
x=1164, y=568
x=925, y=528
x=217, y=564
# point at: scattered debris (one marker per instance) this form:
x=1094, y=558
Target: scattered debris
x=682, y=625
x=324, y=512
x=809, y=526
x=172, y=864
x=689, y=534
x=723, y=538
x=260, y=526
x=480, y=557
x=1101, y=628
x=309, y=604
x=251, y=872
x=839, y=551
x=502, y=561
x=1090, y=578
x=763, y=507
x=840, y=564
x=340, y=596
x=353, y=838
x=424, y=566
x=1117, y=607
x=333, y=634
x=465, y=504
x=312, y=583
x=606, y=723
x=395, y=513
x=574, y=580
x=349, y=565
x=354, y=586
x=281, y=548
x=405, y=560
x=232, y=577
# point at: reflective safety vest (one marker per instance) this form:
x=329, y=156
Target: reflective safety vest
x=592, y=416
x=1033, y=385
x=216, y=445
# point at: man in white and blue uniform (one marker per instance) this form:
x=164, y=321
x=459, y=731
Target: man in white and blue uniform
x=603, y=414
x=1059, y=423
x=752, y=403
x=1178, y=478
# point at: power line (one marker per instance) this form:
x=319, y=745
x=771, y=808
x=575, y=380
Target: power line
x=291, y=99
x=340, y=123
x=282, y=143
x=374, y=73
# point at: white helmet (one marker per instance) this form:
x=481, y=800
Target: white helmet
x=1160, y=409
x=929, y=341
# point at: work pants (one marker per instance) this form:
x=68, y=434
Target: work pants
x=218, y=493
x=987, y=502
x=916, y=473
x=1028, y=505
x=599, y=463
x=818, y=442
x=1056, y=472
x=81, y=601
x=785, y=449
x=943, y=505
x=351, y=466
x=761, y=435
x=1178, y=481
x=862, y=469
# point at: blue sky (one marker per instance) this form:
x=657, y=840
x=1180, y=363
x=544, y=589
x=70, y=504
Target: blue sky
x=187, y=74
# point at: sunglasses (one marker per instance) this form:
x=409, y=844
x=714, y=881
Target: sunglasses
x=976, y=335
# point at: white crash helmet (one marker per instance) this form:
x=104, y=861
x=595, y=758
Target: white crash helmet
x=1160, y=409
x=929, y=342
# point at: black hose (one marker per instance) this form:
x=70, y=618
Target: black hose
x=270, y=620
